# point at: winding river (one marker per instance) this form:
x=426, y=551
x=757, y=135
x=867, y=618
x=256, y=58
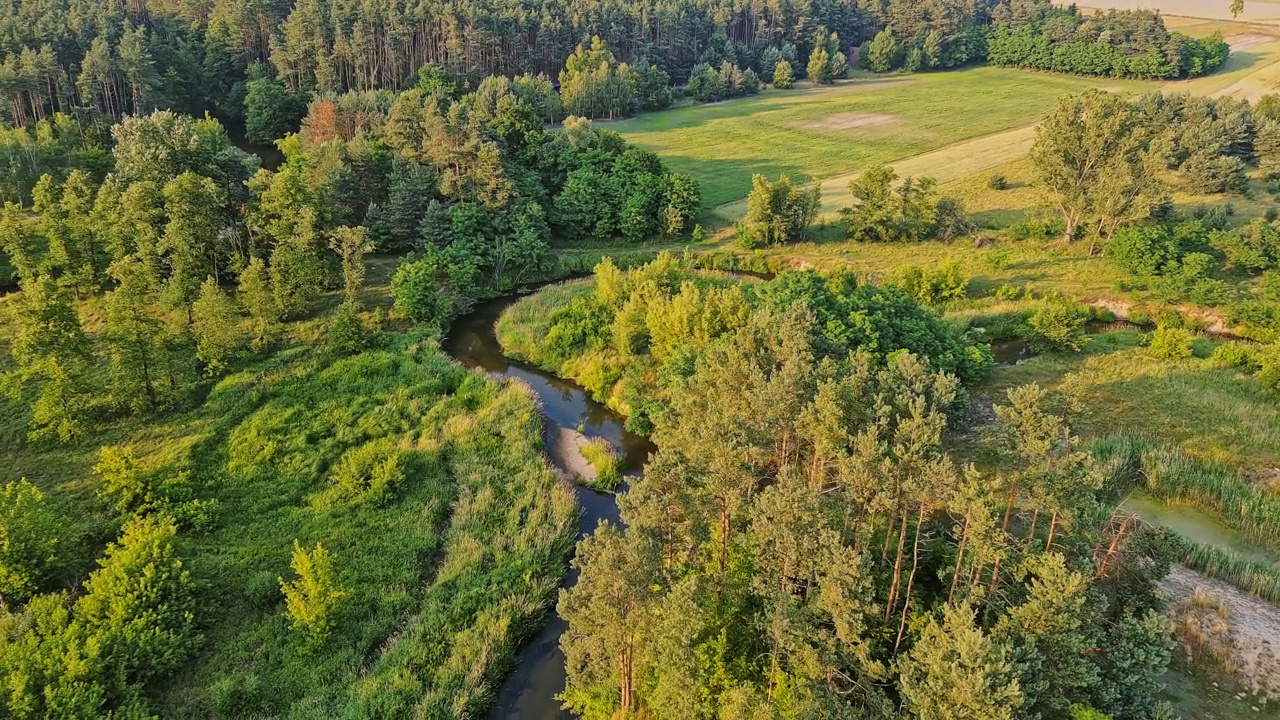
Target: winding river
x=539, y=675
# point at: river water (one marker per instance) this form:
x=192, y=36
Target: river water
x=539, y=675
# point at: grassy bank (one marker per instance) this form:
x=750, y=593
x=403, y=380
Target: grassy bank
x=451, y=551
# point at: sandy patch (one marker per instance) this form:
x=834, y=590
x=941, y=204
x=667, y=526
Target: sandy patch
x=1254, y=628
x=852, y=121
x=566, y=454
x=1244, y=42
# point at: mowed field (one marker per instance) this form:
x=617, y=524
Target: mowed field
x=813, y=133
x=947, y=125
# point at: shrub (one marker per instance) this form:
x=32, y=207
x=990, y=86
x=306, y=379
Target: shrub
x=371, y=472
x=1058, y=325
x=606, y=461
x=933, y=286
x=1235, y=354
x=314, y=599
x=1269, y=368
x=1170, y=343
x=417, y=293
x=348, y=333
x=998, y=182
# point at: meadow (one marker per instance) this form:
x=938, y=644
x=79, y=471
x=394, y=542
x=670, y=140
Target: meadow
x=450, y=559
x=813, y=133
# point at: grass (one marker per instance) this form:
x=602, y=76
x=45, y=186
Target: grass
x=523, y=326
x=606, y=461
x=449, y=570
x=822, y=132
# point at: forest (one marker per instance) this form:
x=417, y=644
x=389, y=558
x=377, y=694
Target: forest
x=259, y=64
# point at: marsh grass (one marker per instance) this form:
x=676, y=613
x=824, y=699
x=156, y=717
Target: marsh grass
x=607, y=462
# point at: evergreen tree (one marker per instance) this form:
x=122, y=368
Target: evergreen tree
x=957, y=672
x=351, y=245
x=135, y=337
x=192, y=246
x=783, y=79
x=30, y=543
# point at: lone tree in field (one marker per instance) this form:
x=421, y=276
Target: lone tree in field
x=1237, y=7
x=1091, y=155
x=315, y=598
x=778, y=212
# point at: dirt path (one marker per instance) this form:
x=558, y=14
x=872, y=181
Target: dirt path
x=1254, y=627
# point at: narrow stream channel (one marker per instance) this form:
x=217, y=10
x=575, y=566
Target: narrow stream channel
x=539, y=675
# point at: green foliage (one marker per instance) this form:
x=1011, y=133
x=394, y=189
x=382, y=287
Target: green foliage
x=53, y=356
x=826, y=63
x=259, y=300
x=778, y=212
x=215, y=323
x=371, y=472
x=933, y=286
x=955, y=671
x=882, y=53
x=595, y=85
x=270, y=110
x=300, y=272
x=887, y=210
x=31, y=543
x=418, y=295
x=783, y=76
x=1068, y=43
x=1169, y=343
x=348, y=333
x=605, y=460
x=1057, y=325
x=1235, y=354
x=315, y=598
x=998, y=182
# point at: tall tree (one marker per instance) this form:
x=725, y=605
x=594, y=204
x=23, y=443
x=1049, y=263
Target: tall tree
x=54, y=356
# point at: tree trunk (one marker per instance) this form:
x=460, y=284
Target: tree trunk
x=897, y=569
x=911, y=579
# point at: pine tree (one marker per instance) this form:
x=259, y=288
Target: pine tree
x=191, y=246
x=957, y=672
x=32, y=549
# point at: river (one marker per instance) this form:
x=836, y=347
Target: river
x=539, y=674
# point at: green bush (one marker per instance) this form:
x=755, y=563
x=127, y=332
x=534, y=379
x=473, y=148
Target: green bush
x=933, y=286
x=998, y=182
x=1170, y=343
x=1058, y=325
x=371, y=472
x=1235, y=354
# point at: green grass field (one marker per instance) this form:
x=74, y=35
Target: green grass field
x=820, y=132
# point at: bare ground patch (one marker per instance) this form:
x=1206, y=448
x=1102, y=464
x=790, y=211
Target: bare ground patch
x=1253, y=629
x=852, y=121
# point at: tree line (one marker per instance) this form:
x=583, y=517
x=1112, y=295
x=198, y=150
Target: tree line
x=473, y=188
x=234, y=60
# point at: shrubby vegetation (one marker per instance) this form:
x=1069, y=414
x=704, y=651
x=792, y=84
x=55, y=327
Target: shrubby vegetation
x=889, y=209
x=640, y=330
x=778, y=212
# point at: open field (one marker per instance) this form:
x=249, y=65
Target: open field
x=822, y=132
x=922, y=124
x=1254, y=10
